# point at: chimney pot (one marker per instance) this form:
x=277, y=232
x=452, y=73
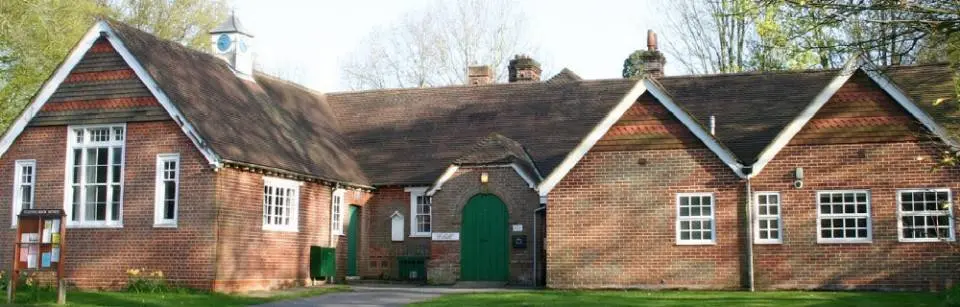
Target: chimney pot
x=651, y=40
x=524, y=69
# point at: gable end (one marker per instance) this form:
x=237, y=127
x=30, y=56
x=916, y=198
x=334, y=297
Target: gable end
x=69, y=90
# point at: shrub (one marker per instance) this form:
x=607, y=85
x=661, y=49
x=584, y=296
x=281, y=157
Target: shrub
x=952, y=297
x=139, y=281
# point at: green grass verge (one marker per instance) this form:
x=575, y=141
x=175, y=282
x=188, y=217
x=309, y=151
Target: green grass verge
x=687, y=298
x=184, y=299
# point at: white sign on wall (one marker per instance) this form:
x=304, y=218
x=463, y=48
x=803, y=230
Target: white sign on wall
x=517, y=227
x=396, y=226
x=446, y=236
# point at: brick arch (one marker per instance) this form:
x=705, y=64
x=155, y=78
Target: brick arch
x=498, y=188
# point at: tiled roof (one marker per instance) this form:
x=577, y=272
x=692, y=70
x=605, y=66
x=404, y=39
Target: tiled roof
x=409, y=136
x=269, y=122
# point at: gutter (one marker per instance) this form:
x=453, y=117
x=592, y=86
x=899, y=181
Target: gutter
x=749, y=230
x=295, y=174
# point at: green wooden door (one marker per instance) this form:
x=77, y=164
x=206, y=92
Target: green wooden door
x=353, y=239
x=484, y=245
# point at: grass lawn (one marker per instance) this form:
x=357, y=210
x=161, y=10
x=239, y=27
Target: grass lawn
x=686, y=298
x=103, y=299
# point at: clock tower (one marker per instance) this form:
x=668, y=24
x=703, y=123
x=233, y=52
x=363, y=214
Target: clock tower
x=232, y=42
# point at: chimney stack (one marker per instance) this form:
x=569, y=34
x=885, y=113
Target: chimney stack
x=524, y=69
x=653, y=60
x=479, y=75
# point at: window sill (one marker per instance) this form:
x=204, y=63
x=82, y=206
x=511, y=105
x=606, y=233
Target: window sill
x=95, y=226
x=280, y=229
x=944, y=240
x=421, y=235
x=165, y=225
x=694, y=243
x=821, y=241
x=758, y=242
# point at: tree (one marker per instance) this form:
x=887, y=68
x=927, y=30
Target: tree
x=434, y=47
x=35, y=35
x=889, y=32
x=711, y=36
x=183, y=21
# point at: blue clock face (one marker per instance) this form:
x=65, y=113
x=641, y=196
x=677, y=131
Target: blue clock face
x=223, y=43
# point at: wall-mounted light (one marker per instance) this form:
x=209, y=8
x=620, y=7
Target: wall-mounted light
x=798, y=175
x=484, y=177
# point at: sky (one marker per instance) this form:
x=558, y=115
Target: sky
x=592, y=38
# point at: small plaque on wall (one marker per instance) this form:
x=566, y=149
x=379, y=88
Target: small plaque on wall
x=445, y=236
x=517, y=227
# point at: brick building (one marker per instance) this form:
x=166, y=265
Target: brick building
x=189, y=162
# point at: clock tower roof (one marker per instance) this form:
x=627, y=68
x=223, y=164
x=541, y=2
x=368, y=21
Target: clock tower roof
x=231, y=25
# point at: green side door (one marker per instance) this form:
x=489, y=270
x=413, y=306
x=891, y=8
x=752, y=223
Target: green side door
x=484, y=245
x=353, y=239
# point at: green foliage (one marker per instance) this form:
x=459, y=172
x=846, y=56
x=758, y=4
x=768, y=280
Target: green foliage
x=36, y=35
x=951, y=297
x=633, y=66
x=139, y=281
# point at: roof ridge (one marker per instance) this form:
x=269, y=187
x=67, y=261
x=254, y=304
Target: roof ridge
x=465, y=86
x=288, y=82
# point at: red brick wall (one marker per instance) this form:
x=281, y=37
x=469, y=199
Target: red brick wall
x=250, y=258
x=859, y=112
x=382, y=250
x=800, y=262
x=98, y=258
x=647, y=125
x=611, y=222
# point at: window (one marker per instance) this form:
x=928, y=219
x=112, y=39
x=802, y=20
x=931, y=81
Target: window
x=844, y=217
x=281, y=204
x=337, y=208
x=167, y=193
x=925, y=215
x=94, y=190
x=767, y=225
x=23, y=186
x=420, y=212
x=695, y=218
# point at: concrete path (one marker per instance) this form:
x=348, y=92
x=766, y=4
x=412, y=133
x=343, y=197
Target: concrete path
x=387, y=295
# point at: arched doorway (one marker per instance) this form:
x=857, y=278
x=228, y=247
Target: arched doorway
x=484, y=242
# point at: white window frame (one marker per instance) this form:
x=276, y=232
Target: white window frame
x=68, y=178
x=159, y=207
x=281, y=183
x=901, y=214
x=712, y=218
x=336, y=211
x=17, y=201
x=414, y=192
x=869, y=216
x=757, y=217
